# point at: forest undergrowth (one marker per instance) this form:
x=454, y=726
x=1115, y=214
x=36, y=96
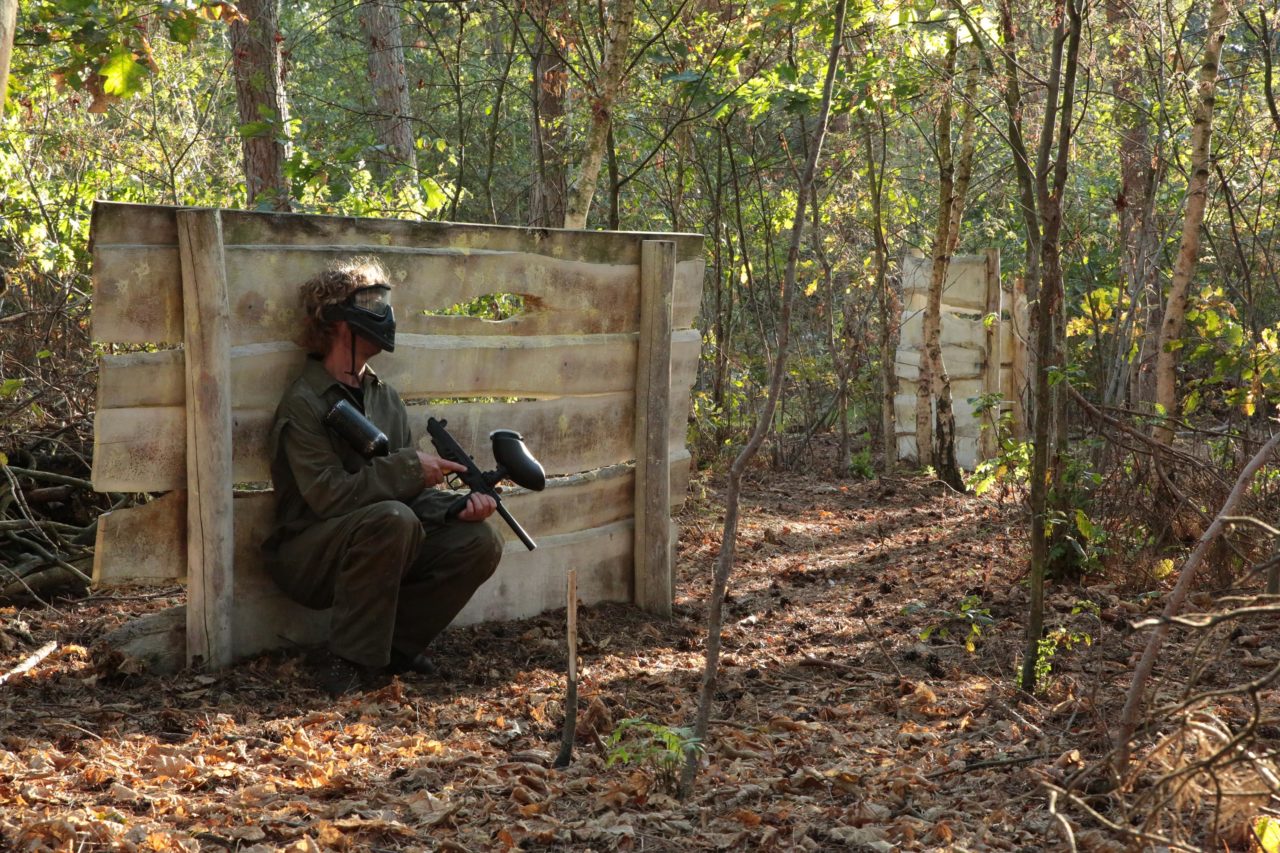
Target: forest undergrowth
x=867, y=701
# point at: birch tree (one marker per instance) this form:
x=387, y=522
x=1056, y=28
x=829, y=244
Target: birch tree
x=934, y=387
x=602, y=100
x=8, y=21
x=1175, y=309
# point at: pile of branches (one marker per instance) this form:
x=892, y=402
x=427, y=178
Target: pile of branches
x=1155, y=500
x=48, y=509
x=1199, y=767
x=1206, y=774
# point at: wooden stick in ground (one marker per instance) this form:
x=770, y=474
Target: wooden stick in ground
x=571, y=694
x=1134, y=699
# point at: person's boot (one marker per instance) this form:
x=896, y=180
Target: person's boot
x=419, y=664
x=338, y=676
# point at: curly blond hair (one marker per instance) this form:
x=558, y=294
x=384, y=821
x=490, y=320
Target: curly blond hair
x=331, y=287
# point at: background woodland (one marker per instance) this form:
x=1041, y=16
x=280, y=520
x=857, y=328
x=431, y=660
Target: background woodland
x=1121, y=155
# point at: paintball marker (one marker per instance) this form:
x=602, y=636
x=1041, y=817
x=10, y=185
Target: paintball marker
x=515, y=463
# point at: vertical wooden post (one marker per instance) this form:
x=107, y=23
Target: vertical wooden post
x=988, y=445
x=207, y=344
x=653, y=563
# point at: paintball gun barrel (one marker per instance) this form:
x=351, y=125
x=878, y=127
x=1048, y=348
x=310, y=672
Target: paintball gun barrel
x=514, y=460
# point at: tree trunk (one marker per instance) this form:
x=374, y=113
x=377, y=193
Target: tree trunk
x=1134, y=206
x=931, y=333
x=380, y=23
x=615, y=63
x=944, y=449
x=550, y=86
x=260, y=96
x=724, y=562
x=1058, y=121
x=1189, y=248
x=888, y=303
x=8, y=23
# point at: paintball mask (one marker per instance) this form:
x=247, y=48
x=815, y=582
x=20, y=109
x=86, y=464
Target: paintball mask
x=369, y=314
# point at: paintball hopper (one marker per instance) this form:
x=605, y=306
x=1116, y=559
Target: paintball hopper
x=515, y=462
x=369, y=441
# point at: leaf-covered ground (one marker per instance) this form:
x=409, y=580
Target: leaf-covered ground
x=837, y=727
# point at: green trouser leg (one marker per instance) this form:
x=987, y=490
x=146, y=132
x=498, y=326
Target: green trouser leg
x=389, y=581
x=455, y=559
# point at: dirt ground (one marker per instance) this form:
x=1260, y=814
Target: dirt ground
x=838, y=727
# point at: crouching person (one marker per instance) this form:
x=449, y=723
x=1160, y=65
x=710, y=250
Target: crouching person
x=394, y=557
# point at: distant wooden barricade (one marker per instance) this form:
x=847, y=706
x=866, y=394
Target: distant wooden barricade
x=599, y=364
x=984, y=347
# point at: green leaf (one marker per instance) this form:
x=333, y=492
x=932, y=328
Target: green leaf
x=9, y=387
x=122, y=75
x=254, y=129
x=182, y=28
x=1267, y=830
x=1085, y=526
x=686, y=76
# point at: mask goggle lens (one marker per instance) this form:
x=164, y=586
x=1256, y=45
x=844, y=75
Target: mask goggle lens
x=376, y=300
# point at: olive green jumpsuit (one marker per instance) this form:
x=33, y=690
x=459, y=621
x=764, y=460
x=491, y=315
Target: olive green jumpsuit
x=367, y=537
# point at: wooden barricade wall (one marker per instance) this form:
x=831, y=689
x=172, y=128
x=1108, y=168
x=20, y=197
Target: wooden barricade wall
x=603, y=352
x=982, y=356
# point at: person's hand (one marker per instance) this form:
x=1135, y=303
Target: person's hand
x=434, y=469
x=478, y=508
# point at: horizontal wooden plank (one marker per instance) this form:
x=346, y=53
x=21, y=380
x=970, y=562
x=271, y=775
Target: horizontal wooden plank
x=561, y=296
x=147, y=544
x=142, y=449
x=526, y=583
x=122, y=222
x=966, y=449
x=142, y=544
x=137, y=295
x=589, y=500
x=687, y=293
x=530, y=582
x=365, y=234
x=568, y=505
x=962, y=392
x=422, y=367
x=965, y=287
x=956, y=332
x=961, y=363
x=576, y=282
x=117, y=222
